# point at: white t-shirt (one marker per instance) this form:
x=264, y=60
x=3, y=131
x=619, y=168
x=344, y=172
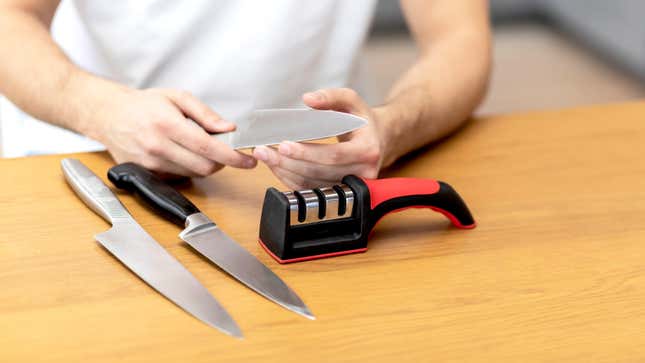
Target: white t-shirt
x=235, y=55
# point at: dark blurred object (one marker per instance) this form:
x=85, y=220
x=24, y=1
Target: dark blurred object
x=613, y=29
x=388, y=18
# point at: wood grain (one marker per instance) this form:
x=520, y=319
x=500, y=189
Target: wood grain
x=555, y=270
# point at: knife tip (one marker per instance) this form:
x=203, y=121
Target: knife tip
x=237, y=335
x=309, y=316
x=227, y=327
x=304, y=311
x=233, y=331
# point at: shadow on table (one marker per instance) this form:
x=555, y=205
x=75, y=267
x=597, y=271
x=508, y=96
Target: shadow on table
x=405, y=164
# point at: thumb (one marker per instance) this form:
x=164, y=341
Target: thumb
x=336, y=99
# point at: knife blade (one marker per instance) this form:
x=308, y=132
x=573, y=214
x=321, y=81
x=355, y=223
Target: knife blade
x=273, y=126
x=131, y=245
x=204, y=236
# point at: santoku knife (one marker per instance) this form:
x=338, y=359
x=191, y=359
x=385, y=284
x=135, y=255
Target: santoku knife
x=273, y=126
x=204, y=236
x=129, y=243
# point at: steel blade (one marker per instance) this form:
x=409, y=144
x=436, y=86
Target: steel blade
x=273, y=126
x=133, y=246
x=205, y=237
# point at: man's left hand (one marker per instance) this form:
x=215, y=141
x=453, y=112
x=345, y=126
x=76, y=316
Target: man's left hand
x=309, y=165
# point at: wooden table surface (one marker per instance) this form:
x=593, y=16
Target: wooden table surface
x=555, y=270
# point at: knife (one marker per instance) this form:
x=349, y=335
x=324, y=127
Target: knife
x=204, y=236
x=129, y=243
x=273, y=126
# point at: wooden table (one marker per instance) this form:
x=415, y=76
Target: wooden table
x=555, y=271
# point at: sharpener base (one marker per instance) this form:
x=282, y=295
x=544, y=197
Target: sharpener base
x=308, y=258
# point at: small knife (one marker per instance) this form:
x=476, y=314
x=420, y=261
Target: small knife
x=204, y=236
x=273, y=126
x=129, y=243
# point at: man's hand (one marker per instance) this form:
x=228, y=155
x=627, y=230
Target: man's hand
x=429, y=101
x=308, y=165
x=151, y=128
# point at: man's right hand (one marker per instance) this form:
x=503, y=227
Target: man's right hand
x=149, y=127
x=153, y=128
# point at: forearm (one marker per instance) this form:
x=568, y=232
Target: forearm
x=436, y=95
x=38, y=77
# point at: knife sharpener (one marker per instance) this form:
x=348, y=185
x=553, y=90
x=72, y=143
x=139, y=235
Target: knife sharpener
x=331, y=221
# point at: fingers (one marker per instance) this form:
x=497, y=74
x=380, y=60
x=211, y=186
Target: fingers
x=199, y=112
x=197, y=165
x=307, y=174
x=196, y=140
x=290, y=178
x=170, y=170
x=313, y=170
x=330, y=154
x=191, y=137
x=164, y=167
x=295, y=181
x=307, y=165
x=164, y=155
x=150, y=128
x=156, y=164
x=337, y=99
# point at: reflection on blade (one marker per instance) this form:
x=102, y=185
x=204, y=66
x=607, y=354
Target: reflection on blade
x=128, y=242
x=273, y=126
x=210, y=241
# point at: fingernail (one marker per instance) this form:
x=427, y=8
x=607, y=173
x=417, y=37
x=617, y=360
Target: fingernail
x=316, y=96
x=249, y=163
x=260, y=154
x=227, y=124
x=285, y=149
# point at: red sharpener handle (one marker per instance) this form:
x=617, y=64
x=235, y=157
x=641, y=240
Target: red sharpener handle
x=397, y=194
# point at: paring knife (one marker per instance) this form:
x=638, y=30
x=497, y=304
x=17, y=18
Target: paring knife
x=204, y=236
x=129, y=243
x=273, y=126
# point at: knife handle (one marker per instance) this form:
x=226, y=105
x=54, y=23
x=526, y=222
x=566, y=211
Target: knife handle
x=397, y=194
x=154, y=191
x=93, y=191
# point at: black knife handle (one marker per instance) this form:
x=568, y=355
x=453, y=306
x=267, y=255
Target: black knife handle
x=154, y=191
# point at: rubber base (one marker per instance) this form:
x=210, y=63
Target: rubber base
x=308, y=258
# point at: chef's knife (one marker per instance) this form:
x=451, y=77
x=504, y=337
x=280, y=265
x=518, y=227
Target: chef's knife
x=273, y=126
x=204, y=236
x=129, y=243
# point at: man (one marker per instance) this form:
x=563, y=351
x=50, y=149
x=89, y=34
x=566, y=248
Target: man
x=150, y=64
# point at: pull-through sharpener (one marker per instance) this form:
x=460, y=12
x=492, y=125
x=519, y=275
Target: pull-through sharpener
x=337, y=220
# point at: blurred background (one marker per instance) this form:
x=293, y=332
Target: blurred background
x=547, y=53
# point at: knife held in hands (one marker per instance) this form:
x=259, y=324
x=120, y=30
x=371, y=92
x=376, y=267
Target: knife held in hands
x=129, y=243
x=204, y=235
x=273, y=126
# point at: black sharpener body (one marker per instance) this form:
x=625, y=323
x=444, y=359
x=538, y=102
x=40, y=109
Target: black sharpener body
x=288, y=240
